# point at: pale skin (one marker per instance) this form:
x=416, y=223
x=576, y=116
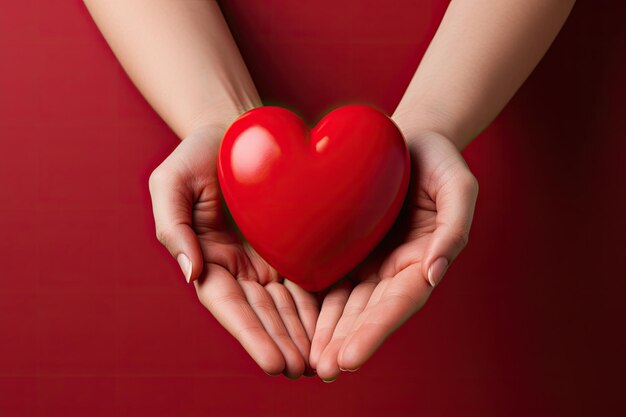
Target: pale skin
x=181, y=56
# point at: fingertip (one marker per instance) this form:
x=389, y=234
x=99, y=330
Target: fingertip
x=191, y=270
x=272, y=363
x=327, y=374
x=327, y=368
x=185, y=266
x=182, y=243
x=192, y=248
x=196, y=272
x=350, y=357
x=294, y=367
x=267, y=355
x=437, y=270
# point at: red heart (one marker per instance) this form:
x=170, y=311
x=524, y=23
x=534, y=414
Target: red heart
x=314, y=203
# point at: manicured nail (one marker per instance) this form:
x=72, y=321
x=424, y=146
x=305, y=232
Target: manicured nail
x=437, y=270
x=185, y=265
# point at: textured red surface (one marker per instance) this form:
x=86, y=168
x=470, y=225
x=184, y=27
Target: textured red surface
x=95, y=317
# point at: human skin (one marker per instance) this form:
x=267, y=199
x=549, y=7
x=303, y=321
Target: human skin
x=181, y=56
x=481, y=53
x=183, y=59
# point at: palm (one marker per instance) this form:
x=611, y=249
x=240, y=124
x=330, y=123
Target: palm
x=405, y=243
x=221, y=245
x=272, y=318
x=258, y=287
x=280, y=325
x=246, y=295
x=391, y=284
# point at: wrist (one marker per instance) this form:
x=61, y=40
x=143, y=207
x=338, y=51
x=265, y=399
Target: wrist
x=416, y=125
x=220, y=115
x=417, y=134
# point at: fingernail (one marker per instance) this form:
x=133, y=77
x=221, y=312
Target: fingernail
x=185, y=265
x=328, y=381
x=437, y=270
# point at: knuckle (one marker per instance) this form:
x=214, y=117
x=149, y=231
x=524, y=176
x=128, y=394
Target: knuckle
x=308, y=306
x=165, y=234
x=263, y=306
x=155, y=178
x=280, y=294
x=352, y=311
x=470, y=182
x=213, y=303
x=203, y=299
x=335, y=303
x=410, y=302
x=207, y=302
x=286, y=311
x=161, y=236
x=461, y=238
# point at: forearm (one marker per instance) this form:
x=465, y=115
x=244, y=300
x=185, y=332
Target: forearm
x=181, y=56
x=481, y=54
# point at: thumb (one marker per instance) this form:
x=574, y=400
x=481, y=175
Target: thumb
x=172, y=205
x=455, y=202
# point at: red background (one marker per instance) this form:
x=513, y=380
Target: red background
x=95, y=317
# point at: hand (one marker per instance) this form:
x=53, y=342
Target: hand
x=396, y=279
x=273, y=319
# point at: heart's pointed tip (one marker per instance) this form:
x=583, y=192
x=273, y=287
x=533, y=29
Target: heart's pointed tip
x=310, y=286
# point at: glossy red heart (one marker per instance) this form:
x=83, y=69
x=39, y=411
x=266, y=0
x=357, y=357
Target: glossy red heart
x=314, y=203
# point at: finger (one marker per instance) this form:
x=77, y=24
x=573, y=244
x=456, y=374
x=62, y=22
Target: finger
x=376, y=295
x=328, y=366
x=172, y=204
x=287, y=310
x=455, y=203
x=307, y=306
x=265, y=309
x=405, y=294
x=330, y=313
x=222, y=295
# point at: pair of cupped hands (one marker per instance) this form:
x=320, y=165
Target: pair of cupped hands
x=284, y=328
